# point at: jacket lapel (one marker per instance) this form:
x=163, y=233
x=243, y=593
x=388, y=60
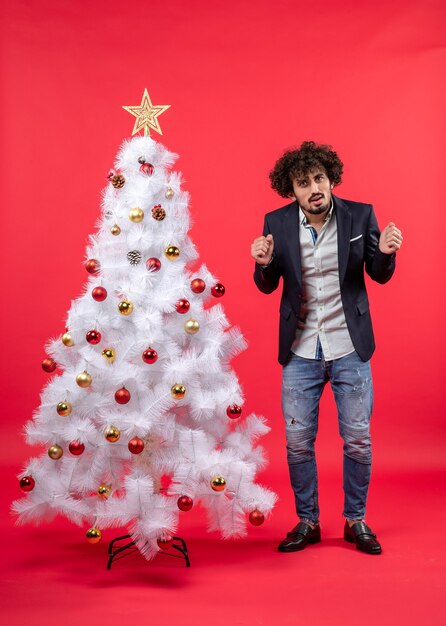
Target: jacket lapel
x=291, y=237
x=344, y=225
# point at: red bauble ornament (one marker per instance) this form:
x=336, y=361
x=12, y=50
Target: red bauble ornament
x=110, y=174
x=99, y=294
x=150, y=355
x=146, y=168
x=49, y=365
x=122, y=396
x=92, y=266
x=256, y=518
x=197, y=285
x=218, y=290
x=182, y=306
x=153, y=264
x=76, y=448
x=164, y=542
x=185, y=503
x=93, y=336
x=234, y=411
x=136, y=445
x=27, y=483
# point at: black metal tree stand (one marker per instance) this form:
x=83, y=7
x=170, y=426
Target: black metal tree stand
x=120, y=551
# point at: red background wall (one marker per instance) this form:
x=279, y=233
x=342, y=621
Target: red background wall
x=245, y=80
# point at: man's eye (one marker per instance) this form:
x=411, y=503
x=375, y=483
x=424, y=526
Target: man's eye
x=302, y=183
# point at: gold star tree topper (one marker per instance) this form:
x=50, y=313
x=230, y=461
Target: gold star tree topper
x=147, y=115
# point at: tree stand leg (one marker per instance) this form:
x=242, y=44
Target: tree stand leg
x=118, y=552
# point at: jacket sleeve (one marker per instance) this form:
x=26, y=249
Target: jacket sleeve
x=378, y=265
x=267, y=278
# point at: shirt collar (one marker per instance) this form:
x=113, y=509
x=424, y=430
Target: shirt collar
x=303, y=218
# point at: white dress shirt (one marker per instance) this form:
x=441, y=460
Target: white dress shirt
x=322, y=315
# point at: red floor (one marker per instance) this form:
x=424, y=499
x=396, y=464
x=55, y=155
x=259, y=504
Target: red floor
x=51, y=576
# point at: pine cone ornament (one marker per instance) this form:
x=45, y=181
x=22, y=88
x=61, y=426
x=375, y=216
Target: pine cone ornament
x=158, y=213
x=134, y=257
x=118, y=181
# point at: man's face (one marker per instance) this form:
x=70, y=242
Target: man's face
x=313, y=191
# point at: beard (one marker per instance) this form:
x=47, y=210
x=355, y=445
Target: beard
x=312, y=209
x=317, y=210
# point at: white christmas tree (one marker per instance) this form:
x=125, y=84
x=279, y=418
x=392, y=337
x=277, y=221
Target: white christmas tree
x=143, y=418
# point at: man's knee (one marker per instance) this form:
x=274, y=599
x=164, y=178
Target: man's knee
x=300, y=443
x=357, y=444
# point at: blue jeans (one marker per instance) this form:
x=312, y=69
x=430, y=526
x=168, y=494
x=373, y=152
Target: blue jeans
x=302, y=385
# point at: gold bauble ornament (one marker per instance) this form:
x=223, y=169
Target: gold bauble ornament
x=109, y=355
x=84, y=379
x=178, y=391
x=67, y=339
x=55, y=452
x=104, y=491
x=115, y=230
x=64, y=408
x=218, y=483
x=93, y=535
x=169, y=193
x=112, y=434
x=125, y=307
x=172, y=252
x=191, y=326
x=136, y=215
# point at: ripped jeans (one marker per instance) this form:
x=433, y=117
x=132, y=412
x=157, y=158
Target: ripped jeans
x=302, y=384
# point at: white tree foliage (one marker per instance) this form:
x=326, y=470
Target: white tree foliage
x=189, y=440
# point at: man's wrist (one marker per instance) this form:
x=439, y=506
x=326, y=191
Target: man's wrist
x=265, y=265
x=387, y=254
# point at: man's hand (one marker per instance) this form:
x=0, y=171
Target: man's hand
x=262, y=249
x=391, y=239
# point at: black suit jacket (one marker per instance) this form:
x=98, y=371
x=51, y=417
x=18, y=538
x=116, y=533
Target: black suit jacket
x=358, y=236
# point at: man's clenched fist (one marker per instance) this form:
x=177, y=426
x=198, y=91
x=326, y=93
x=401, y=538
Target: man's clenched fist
x=262, y=249
x=391, y=239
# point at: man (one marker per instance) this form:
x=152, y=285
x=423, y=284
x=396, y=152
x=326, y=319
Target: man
x=320, y=245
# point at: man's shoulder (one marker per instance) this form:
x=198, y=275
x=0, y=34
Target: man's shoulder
x=352, y=205
x=280, y=212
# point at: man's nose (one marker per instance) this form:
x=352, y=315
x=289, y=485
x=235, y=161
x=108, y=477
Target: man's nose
x=314, y=187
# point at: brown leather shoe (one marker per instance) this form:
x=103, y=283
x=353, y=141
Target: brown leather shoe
x=300, y=537
x=360, y=534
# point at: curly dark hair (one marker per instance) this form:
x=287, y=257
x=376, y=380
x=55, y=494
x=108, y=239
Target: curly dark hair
x=300, y=161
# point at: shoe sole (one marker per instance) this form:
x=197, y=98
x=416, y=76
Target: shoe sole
x=351, y=540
